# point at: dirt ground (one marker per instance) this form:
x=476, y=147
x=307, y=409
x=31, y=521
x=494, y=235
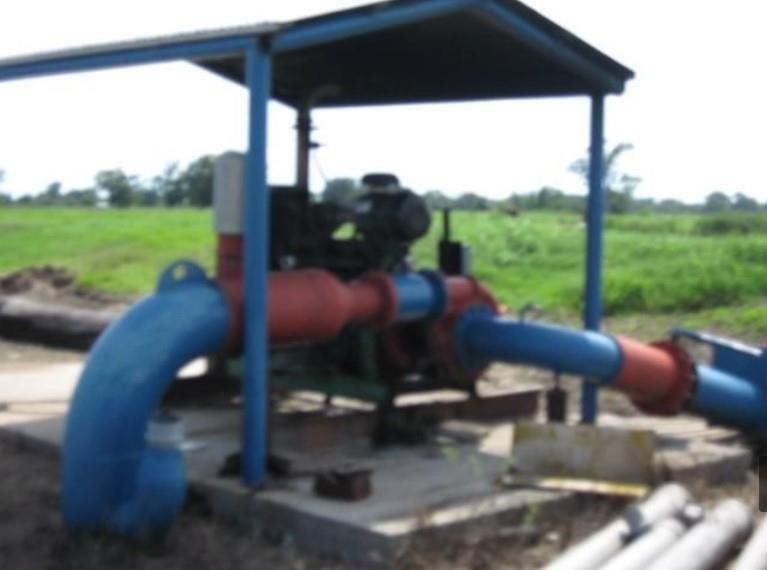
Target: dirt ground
x=33, y=537
x=50, y=283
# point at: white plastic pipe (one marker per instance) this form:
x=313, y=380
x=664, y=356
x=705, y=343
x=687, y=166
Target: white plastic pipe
x=666, y=501
x=754, y=555
x=707, y=544
x=649, y=546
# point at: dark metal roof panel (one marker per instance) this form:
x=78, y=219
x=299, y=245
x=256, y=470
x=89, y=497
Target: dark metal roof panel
x=389, y=52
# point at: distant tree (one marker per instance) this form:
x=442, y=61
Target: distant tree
x=618, y=186
x=51, y=196
x=717, y=202
x=744, y=203
x=471, y=201
x=196, y=182
x=549, y=198
x=5, y=199
x=85, y=198
x=341, y=191
x=146, y=197
x=167, y=187
x=436, y=200
x=118, y=186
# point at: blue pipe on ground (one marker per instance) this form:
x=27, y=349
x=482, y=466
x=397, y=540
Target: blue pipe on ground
x=484, y=338
x=113, y=479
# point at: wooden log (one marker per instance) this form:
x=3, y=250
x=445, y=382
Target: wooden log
x=52, y=324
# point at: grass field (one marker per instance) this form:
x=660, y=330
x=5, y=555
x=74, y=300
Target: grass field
x=704, y=271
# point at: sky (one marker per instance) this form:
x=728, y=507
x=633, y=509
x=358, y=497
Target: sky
x=695, y=112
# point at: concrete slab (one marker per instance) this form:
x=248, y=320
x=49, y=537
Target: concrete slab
x=449, y=485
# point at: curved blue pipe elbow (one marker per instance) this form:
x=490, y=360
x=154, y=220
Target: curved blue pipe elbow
x=113, y=479
x=484, y=338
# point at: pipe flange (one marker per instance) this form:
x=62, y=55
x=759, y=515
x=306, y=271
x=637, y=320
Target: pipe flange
x=673, y=401
x=443, y=335
x=385, y=285
x=439, y=290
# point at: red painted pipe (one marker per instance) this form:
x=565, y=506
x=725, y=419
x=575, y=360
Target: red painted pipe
x=305, y=305
x=313, y=305
x=658, y=377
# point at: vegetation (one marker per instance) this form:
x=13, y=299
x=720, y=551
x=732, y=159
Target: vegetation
x=119, y=251
x=192, y=186
x=653, y=264
x=662, y=257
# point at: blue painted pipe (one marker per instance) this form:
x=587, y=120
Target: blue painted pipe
x=728, y=399
x=420, y=295
x=114, y=480
x=484, y=338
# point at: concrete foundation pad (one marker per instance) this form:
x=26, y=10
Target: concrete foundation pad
x=448, y=485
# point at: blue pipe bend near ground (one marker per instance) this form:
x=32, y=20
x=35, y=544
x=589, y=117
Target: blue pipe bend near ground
x=112, y=478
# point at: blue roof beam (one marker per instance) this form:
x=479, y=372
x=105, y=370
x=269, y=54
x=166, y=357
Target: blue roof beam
x=79, y=62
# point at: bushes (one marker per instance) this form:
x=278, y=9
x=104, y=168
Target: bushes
x=647, y=224
x=731, y=223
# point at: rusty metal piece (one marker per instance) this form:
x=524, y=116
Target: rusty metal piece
x=346, y=484
x=556, y=405
x=509, y=406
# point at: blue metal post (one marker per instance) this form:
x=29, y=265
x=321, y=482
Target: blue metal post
x=256, y=390
x=592, y=313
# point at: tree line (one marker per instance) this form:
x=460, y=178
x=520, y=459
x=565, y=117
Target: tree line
x=193, y=186
x=190, y=186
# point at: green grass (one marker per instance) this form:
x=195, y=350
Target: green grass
x=654, y=264
x=113, y=251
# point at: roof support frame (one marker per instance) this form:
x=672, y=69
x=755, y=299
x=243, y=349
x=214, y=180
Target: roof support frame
x=358, y=23
x=255, y=436
x=539, y=41
x=74, y=63
x=592, y=310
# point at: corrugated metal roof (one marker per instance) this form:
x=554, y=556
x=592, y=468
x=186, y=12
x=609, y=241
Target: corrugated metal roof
x=461, y=50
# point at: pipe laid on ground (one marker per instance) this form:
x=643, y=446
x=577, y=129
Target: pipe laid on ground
x=754, y=555
x=666, y=501
x=660, y=378
x=707, y=544
x=113, y=478
x=646, y=548
x=657, y=377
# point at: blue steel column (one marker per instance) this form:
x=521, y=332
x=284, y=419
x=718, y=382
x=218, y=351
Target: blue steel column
x=256, y=388
x=592, y=313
